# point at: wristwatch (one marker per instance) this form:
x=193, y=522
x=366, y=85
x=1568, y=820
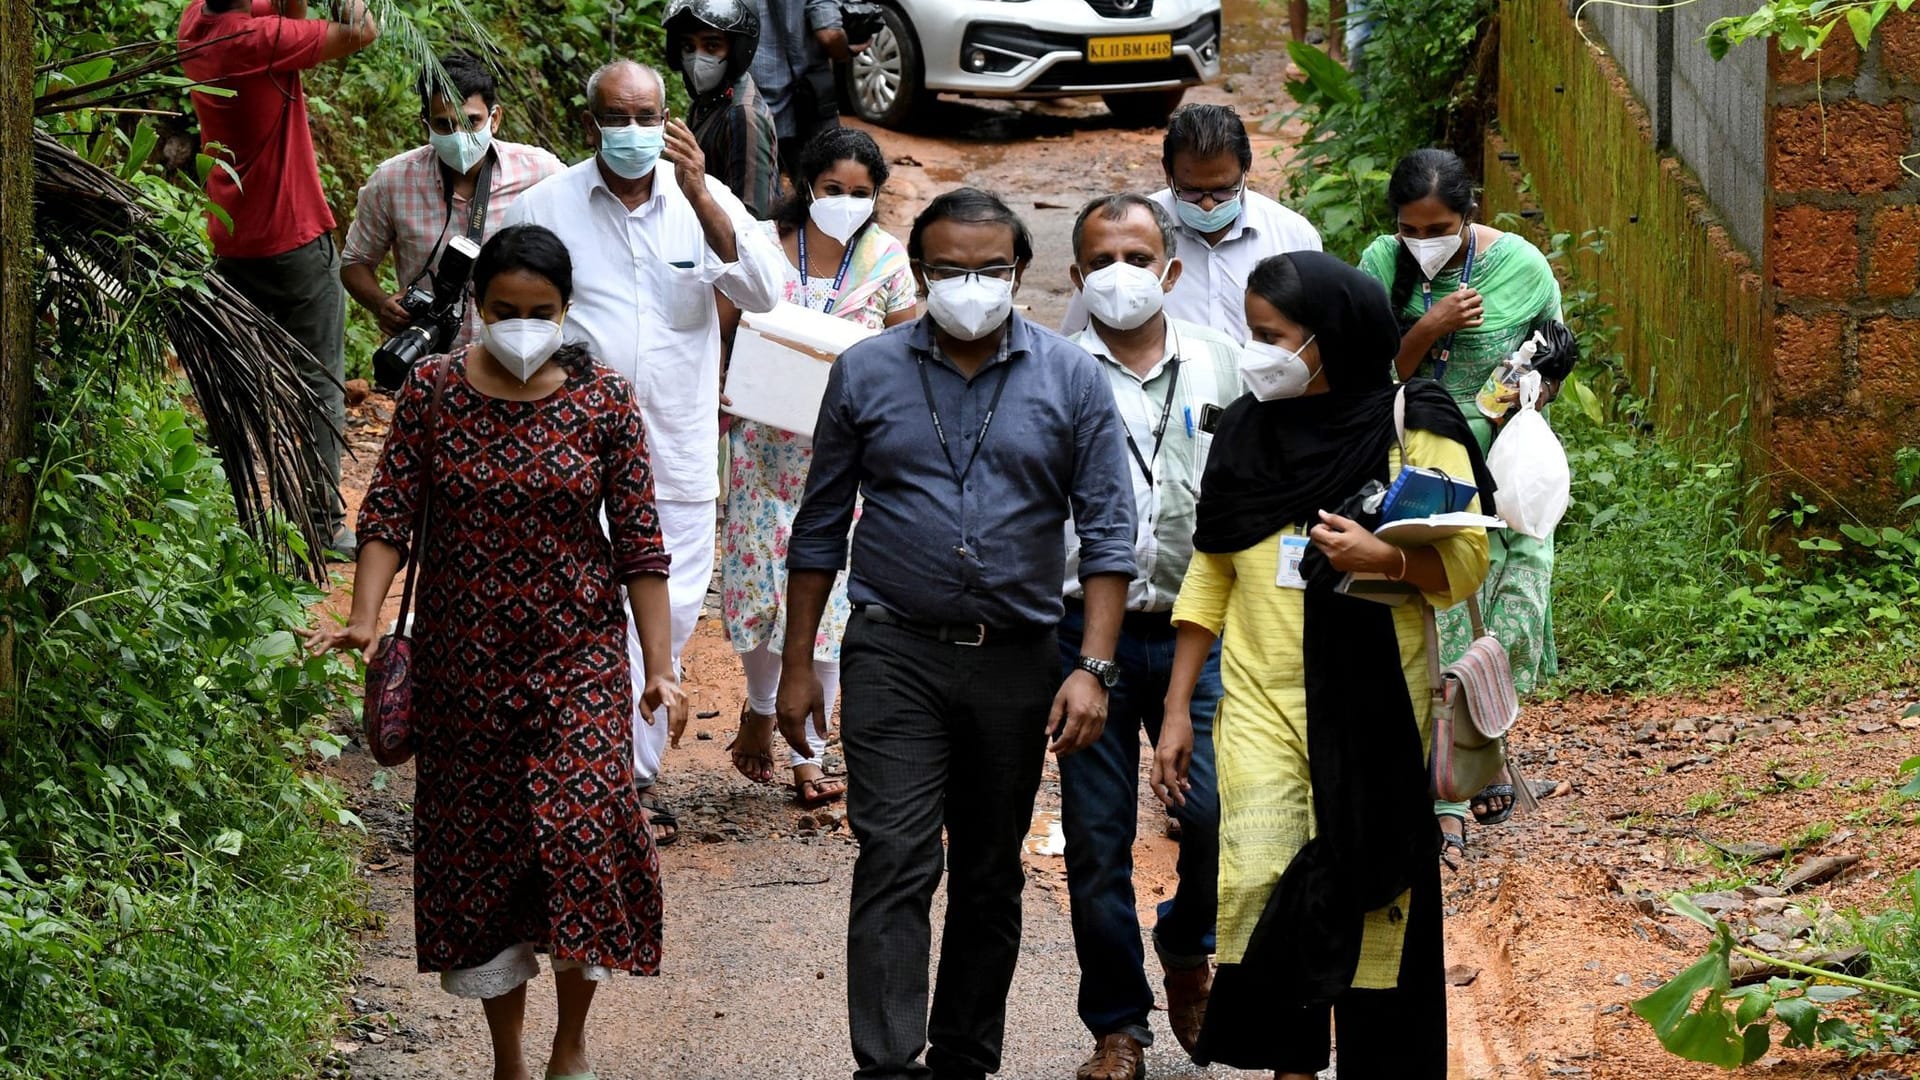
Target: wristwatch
x=1107, y=671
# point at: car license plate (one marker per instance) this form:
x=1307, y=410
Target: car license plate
x=1113, y=50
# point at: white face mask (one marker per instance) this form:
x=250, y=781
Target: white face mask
x=970, y=306
x=1272, y=372
x=704, y=72
x=1124, y=296
x=462, y=150
x=521, y=345
x=840, y=216
x=1433, y=254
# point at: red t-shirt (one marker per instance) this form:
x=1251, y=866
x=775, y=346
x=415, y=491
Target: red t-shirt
x=276, y=204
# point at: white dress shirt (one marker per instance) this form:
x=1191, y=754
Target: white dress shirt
x=1164, y=510
x=1212, y=289
x=643, y=284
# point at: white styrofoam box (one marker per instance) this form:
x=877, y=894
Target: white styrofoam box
x=778, y=373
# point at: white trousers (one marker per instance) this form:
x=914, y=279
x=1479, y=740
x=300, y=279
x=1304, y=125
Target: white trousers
x=688, y=529
x=763, y=687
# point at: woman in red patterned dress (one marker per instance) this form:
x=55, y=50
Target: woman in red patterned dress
x=528, y=833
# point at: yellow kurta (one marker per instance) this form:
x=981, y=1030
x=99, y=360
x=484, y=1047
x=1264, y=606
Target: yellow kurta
x=1260, y=730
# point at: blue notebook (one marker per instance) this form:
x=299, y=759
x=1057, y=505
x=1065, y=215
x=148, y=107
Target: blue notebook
x=1420, y=492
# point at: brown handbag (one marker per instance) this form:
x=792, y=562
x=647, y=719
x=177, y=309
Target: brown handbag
x=389, y=703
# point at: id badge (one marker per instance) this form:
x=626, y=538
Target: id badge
x=1292, y=549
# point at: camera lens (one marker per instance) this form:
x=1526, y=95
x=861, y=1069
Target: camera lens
x=396, y=357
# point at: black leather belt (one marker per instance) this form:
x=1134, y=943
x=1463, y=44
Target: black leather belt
x=972, y=635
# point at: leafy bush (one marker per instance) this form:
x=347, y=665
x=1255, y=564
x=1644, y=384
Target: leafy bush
x=1419, y=86
x=171, y=901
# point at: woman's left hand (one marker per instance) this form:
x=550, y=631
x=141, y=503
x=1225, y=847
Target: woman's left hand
x=1350, y=547
x=662, y=690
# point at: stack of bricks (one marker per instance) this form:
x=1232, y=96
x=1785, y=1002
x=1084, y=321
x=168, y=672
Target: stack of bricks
x=1844, y=264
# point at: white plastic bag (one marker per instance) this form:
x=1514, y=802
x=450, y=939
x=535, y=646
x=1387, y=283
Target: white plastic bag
x=1530, y=468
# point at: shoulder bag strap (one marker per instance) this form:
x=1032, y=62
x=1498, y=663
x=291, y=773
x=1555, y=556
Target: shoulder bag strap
x=1432, y=629
x=422, y=515
x=1473, y=613
x=1400, y=424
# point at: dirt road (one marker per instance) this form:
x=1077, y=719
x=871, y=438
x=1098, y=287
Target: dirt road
x=1548, y=926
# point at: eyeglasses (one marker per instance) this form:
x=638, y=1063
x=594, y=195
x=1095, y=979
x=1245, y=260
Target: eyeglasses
x=1198, y=195
x=445, y=125
x=947, y=273
x=613, y=120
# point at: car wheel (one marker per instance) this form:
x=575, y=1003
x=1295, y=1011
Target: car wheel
x=883, y=81
x=1148, y=108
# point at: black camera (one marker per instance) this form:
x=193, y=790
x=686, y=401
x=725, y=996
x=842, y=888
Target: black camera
x=433, y=316
x=861, y=20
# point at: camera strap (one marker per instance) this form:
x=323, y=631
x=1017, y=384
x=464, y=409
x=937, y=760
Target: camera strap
x=477, y=205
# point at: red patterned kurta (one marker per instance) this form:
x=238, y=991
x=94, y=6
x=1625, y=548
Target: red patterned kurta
x=527, y=826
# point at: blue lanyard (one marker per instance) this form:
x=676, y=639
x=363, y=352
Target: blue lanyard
x=838, y=279
x=1426, y=294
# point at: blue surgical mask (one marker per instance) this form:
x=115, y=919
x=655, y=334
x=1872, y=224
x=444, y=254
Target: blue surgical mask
x=631, y=150
x=462, y=150
x=1208, y=221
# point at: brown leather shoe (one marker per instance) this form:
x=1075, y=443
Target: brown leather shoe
x=1118, y=1057
x=1187, y=992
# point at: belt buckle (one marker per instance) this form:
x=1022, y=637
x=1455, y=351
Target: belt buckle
x=979, y=637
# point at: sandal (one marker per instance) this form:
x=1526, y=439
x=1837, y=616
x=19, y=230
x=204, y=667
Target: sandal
x=753, y=754
x=1456, y=841
x=665, y=824
x=817, y=790
x=1494, y=804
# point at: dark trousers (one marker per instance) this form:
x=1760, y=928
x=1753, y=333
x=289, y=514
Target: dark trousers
x=1100, y=798
x=937, y=735
x=1398, y=1034
x=300, y=290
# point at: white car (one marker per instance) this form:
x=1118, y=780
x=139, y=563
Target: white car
x=1139, y=55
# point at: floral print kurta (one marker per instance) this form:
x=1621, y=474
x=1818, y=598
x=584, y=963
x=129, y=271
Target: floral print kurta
x=768, y=472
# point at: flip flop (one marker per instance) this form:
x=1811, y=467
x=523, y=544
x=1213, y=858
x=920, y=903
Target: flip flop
x=800, y=797
x=660, y=816
x=1490, y=795
x=756, y=765
x=1457, y=843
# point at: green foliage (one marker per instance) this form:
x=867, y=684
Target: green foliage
x=171, y=901
x=1800, y=24
x=1417, y=77
x=1698, y=1014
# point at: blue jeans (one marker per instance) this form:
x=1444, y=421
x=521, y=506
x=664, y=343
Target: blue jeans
x=1099, y=796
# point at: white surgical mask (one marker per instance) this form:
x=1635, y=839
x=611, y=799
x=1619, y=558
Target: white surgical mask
x=970, y=306
x=521, y=345
x=1433, y=254
x=1122, y=295
x=1273, y=372
x=462, y=150
x=705, y=73
x=840, y=216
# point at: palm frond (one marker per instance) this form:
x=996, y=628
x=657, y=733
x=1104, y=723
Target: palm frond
x=111, y=262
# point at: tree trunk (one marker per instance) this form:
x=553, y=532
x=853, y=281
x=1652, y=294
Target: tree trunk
x=17, y=271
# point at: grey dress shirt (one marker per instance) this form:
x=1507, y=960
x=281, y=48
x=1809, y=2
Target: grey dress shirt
x=787, y=51
x=986, y=549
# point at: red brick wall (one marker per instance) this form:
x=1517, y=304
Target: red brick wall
x=1843, y=263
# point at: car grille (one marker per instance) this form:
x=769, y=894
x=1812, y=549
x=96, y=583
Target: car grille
x=1122, y=9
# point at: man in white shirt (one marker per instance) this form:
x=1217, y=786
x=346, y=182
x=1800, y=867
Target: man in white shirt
x=1224, y=227
x=652, y=237
x=1170, y=378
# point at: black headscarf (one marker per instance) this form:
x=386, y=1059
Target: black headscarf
x=1275, y=464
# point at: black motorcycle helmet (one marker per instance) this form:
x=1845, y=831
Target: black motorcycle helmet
x=734, y=18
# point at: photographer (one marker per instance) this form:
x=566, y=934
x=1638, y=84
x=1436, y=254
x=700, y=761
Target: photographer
x=415, y=202
x=273, y=233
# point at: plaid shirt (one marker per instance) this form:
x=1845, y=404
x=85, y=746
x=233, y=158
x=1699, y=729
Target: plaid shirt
x=736, y=133
x=403, y=210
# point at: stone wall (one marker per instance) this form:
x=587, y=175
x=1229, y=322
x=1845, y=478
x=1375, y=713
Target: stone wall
x=1844, y=259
